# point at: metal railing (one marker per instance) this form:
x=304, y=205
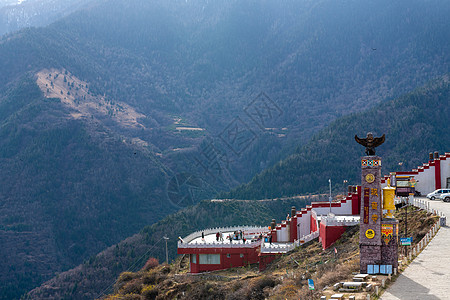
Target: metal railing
x=425, y=205
x=307, y=238
x=424, y=241
x=333, y=221
x=224, y=244
x=247, y=230
x=286, y=247
x=277, y=247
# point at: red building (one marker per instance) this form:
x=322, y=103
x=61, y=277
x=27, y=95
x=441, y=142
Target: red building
x=208, y=253
x=319, y=220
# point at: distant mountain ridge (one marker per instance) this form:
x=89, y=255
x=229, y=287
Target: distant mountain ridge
x=15, y=15
x=415, y=124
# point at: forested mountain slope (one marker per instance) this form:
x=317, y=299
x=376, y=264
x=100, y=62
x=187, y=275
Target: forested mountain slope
x=415, y=124
x=96, y=276
x=68, y=189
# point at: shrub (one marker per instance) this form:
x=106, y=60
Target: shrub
x=289, y=291
x=132, y=287
x=151, y=263
x=256, y=290
x=265, y=281
x=150, y=278
x=206, y=291
x=126, y=276
x=149, y=292
x=123, y=279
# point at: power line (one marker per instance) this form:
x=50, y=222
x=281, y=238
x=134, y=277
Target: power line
x=132, y=266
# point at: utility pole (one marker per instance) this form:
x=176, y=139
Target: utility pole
x=345, y=188
x=167, y=253
x=329, y=180
x=406, y=220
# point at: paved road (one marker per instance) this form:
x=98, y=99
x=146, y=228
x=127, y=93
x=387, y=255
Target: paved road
x=428, y=276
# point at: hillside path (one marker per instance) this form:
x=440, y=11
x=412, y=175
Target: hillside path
x=428, y=276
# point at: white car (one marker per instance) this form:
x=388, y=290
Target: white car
x=437, y=193
x=445, y=197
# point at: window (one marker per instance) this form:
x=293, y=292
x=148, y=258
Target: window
x=228, y=255
x=209, y=259
x=241, y=255
x=194, y=258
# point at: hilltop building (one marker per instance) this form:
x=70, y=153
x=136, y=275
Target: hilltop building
x=430, y=176
x=263, y=244
x=323, y=220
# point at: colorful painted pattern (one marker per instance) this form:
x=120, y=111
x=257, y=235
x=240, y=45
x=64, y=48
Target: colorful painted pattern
x=371, y=162
x=387, y=232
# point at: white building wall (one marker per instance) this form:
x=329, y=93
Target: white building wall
x=284, y=234
x=344, y=209
x=303, y=225
x=445, y=172
x=321, y=211
x=425, y=181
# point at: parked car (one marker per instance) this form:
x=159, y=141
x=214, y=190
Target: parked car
x=445, y=197
x=437, y=193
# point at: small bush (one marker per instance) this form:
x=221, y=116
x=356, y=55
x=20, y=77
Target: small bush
x=150, y=278
x=265, y=281
x=132, y=287
x=130, y=297
x=151, y=263
x=149, y=292
x=126, y=276
x=123, y=279
x=256, y=289
x=289, y=291
x=206, y=291
x=165, y=270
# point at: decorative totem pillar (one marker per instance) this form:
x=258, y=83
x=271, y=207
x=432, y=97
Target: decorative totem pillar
x=378, y=235
x=371, y=210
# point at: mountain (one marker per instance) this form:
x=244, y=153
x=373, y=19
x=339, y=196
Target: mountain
x=96, y=276
x=427, y=104
x=69, y=189
x=415, y=124
x=123, y=112
x=15, y=15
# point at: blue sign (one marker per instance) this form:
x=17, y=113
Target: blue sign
x=311, y=284
x=406, y=241
x=379, y=269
